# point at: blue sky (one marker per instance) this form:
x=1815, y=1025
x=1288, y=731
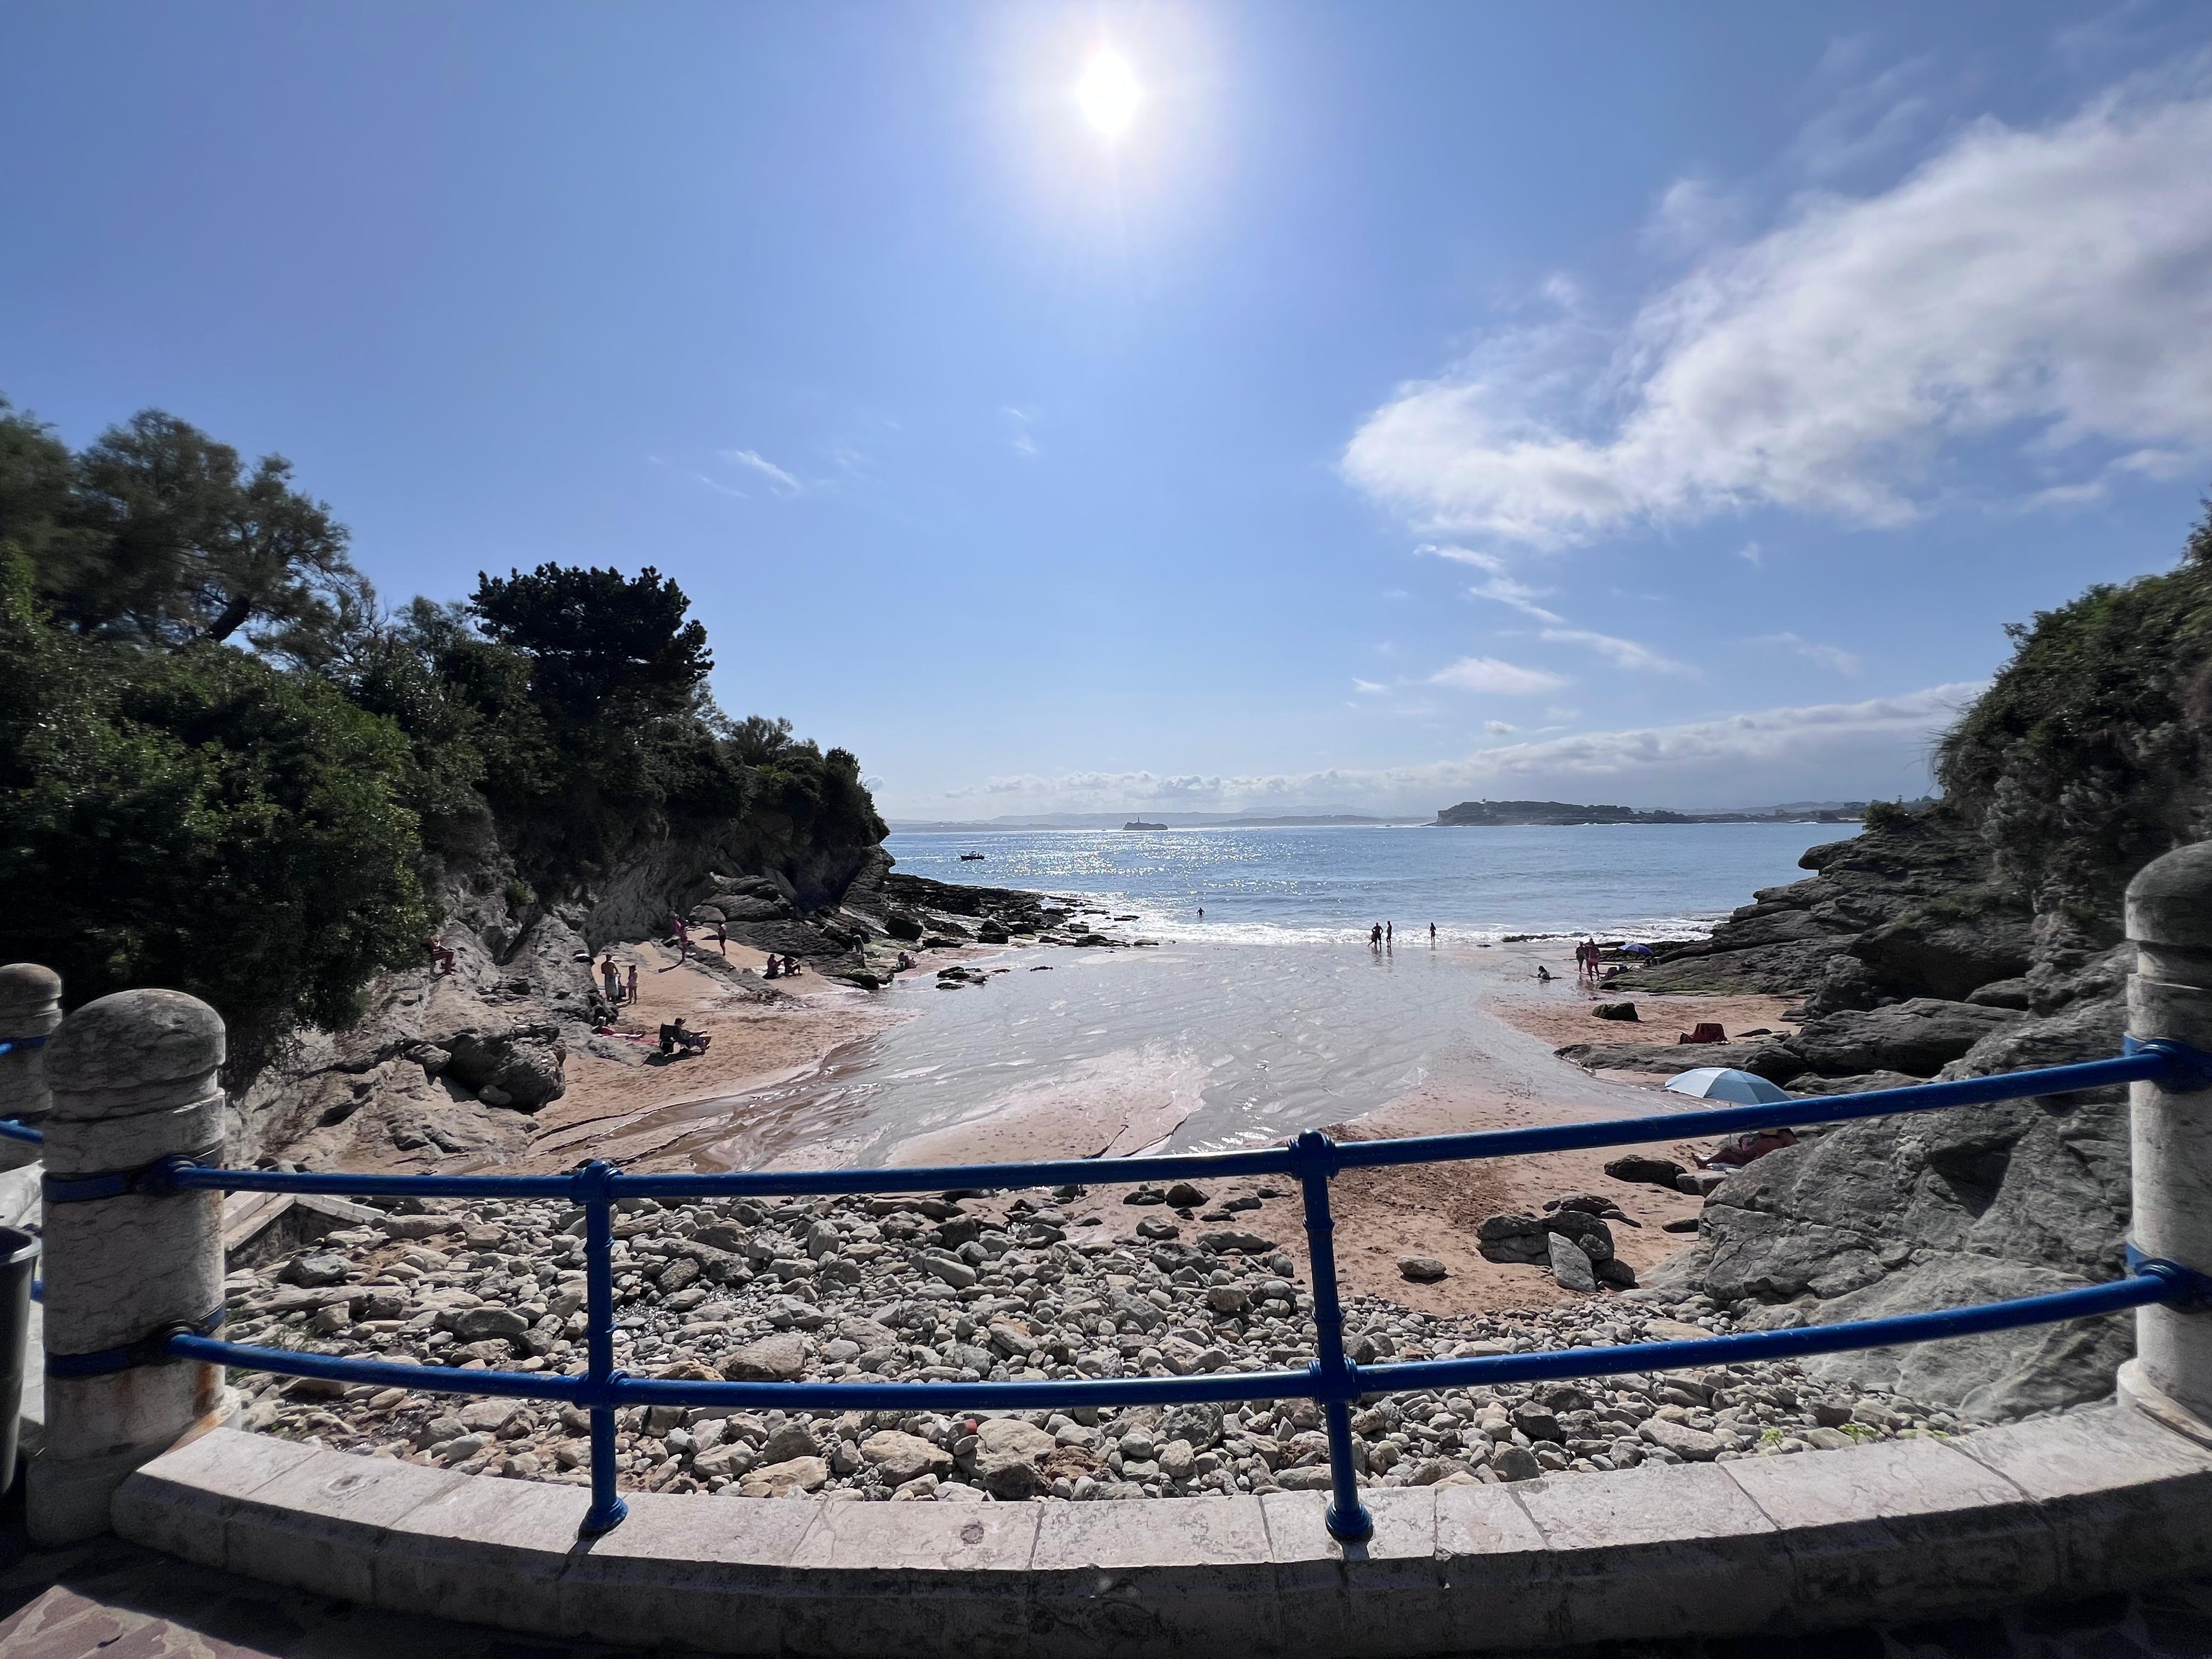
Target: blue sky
x=1658, y=404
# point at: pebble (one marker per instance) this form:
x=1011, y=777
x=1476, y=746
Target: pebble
x=914, y=1288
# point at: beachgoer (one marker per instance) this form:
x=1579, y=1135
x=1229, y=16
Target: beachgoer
x=772, y=971
x=611, y=977
x=441, y=959
x=1375, y=937
x=722, y=937
x=1432, y=932
x=632, y=997
x=1389, y=931
x=1542, y=972
x=1201, y=913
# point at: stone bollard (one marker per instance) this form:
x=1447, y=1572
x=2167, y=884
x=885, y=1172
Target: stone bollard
x=30, y=1006
x=133, y=1077
x=2169, y=918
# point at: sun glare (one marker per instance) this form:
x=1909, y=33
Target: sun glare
x=1108, y=93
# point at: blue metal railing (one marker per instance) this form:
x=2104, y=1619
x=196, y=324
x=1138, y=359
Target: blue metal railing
x=1331, y=1379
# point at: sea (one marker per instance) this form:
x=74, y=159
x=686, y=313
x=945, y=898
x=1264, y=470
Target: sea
x=1311, y=885
x=1269, y=1016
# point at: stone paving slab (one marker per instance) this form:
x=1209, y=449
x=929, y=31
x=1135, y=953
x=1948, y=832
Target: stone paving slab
x=2095, y=1501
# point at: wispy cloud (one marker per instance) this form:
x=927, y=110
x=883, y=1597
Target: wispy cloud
x=1751, y=553
x=1828, y=656
x=1022, y=441
x=2047, y=291
x=699, y=477
x=1499, y=728
x=1628, y=653
x=753, y=460
x=1505, y=678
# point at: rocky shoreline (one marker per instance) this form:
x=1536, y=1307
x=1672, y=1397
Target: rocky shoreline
x=958, y=1287
x=1914, y=963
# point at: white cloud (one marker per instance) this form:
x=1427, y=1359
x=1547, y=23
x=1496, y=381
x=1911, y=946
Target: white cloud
x=1489, y=674
x=1367, y=687
x=1828, y=656
x=2047, y=290
x=1850, y=750
x=1628, y=653
x=754, y=460
x=1499, y=728
x=1751, y=553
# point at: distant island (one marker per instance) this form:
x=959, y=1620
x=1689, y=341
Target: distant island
x=1139, y=824
x=1498, y=814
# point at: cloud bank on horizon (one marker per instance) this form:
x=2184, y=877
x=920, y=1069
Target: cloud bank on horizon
x=1732, y=760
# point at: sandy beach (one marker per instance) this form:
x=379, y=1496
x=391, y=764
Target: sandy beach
x=795, y=1065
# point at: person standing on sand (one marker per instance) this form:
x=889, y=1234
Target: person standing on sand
x=611, y=977
x=1432, y=934
x=632, y=983
x=1389, y=933
x=722, y=937
x=1375, y=937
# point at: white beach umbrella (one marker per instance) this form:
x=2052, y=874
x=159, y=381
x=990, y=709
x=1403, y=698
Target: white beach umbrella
x=1726, y=1082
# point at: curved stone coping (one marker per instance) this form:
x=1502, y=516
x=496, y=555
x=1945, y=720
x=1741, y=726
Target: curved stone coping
x=2092, y=1501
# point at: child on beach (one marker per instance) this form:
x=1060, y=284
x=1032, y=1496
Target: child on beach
x=632, y=982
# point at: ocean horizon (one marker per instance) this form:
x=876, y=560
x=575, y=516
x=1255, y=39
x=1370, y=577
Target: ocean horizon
x=1321, y=884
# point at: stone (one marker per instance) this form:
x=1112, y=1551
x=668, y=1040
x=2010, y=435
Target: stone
x=1516, y=1463
x=1642, y=1168
x=316, y=1271
x=778, y=1359
x=1228, y=1243
x=1184, y=1196
x=781, y=1479
x=1569, y=1265
x=1008, y=1456
x=788, y=1443
x=1918, y=1037
x=1691, y=1445
x=1614, y=1011
x=487, y=1324
x=1157, y=1229
x=1421, y=1269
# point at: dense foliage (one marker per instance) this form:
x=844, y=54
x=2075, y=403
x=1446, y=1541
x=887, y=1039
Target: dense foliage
x=196, y=818
x=2091, y=753
x=222, y=768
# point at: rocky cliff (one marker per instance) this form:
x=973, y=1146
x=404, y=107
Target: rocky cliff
x=1914, y=960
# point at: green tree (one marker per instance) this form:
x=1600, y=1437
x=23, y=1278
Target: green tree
x=200, y=819
x=599, y=643
x=163, y=537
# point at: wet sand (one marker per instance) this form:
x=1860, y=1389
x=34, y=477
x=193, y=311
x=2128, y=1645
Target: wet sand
x=801, y=1081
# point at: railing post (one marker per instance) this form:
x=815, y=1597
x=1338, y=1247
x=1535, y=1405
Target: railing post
x=2169, y=918
x=596, y=1196
x=133, y=1077
x=1347, y=1518
x=30, y=1012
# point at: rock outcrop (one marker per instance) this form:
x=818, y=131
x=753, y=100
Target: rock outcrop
x=1924, y=970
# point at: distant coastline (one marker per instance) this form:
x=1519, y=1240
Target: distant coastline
x=1528, y=814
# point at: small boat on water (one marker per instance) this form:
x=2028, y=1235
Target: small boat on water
x=967, y=858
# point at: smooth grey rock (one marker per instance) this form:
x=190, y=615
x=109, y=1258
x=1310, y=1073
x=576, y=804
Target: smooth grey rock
x=778, y=1359
x=1008, y=1456
x=1918, y=1037
x=1569, y=1266
x=1421, y=1269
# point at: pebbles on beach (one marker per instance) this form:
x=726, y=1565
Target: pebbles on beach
x=909, y=1288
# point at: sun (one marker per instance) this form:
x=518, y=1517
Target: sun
x=1108, y=93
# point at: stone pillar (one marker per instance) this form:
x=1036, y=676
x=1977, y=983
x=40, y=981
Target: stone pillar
x=30, y=1006
x=133, y=1077
x=2169, y=918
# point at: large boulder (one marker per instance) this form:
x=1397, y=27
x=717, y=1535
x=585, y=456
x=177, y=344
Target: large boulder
x=1927, y=1210
x=1918, y=1037
x=520, y=1067
x=1933, y=950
